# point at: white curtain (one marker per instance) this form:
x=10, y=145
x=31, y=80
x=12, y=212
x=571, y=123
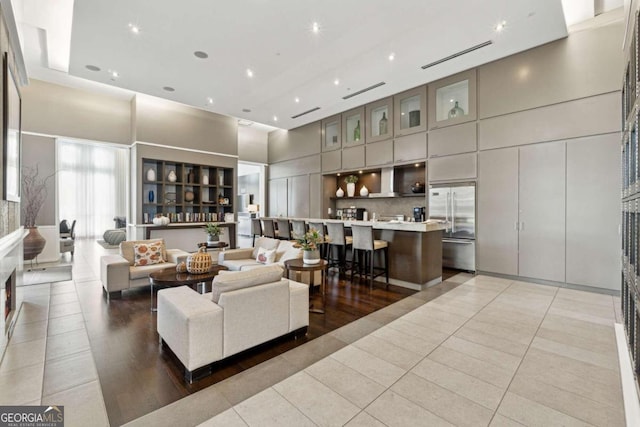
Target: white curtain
x=92, y=185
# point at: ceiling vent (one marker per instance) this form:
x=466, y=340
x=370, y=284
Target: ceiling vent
x=366, y=89
x=244, y=122
x=455, y=55
x=305, y=112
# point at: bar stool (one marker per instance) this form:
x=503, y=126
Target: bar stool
x=269, y=229
x=256, y=229
x=339, y=243
x=322, y=230
x=284, y=229
x=299, y=228
x=365, y=244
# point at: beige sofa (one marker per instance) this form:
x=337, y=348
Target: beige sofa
x=244, y=309
x=118, y=272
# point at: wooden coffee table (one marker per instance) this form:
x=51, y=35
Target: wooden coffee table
x=299, y=266
x=170, y=277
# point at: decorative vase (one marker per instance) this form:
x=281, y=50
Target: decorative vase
x=189, y=196
x=414, y=118
x=364, y=191
x=33, y=244
x=351, y=189
x=221, y=178
x=311, y=257
x=382, y=126
x=151, y=174
x=151, y=196
x=356, y=132
x=340, y=192
x=191, y=177
x=456, y=111
x=205, y=179
x=172, y=177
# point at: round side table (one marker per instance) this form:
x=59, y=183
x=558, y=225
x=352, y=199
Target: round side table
x=298, y=265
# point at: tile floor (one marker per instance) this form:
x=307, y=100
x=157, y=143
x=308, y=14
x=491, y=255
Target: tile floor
x=487, y=352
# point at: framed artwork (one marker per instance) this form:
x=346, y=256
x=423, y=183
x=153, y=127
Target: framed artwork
x=12, y=147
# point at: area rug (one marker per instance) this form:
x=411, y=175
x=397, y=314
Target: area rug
x=36, y=275
x=106, y=245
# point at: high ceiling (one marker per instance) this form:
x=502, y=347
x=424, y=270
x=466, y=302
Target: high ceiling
x=294, y=68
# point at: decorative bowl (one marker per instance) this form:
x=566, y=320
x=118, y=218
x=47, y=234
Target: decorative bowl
x=418, y=187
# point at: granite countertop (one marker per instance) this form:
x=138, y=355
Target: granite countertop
x=421, y=227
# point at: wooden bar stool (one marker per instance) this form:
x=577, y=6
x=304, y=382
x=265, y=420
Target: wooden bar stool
x=284, y=229
x=256, y=229
x=298, y=228
x=269, y=228
x=364, y=244
x=322, y=230
x=338, y=243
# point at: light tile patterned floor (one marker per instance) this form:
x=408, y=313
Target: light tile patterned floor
x=490, y=352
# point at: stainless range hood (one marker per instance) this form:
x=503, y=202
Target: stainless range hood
x=386, y=184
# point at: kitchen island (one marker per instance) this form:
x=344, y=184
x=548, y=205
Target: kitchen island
x=415, y=249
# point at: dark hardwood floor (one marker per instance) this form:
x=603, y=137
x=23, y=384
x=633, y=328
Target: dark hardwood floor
x=138, y=376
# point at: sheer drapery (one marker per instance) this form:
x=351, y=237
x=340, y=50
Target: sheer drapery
x=92, y=185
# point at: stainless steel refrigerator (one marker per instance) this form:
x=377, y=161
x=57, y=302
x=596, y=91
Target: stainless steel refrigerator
x=456, y=204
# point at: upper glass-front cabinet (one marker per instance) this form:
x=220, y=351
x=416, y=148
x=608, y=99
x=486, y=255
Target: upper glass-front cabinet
x=453, y=100
x=410, y=111
x=379, y=120
x=353, y=131
x=331, y=133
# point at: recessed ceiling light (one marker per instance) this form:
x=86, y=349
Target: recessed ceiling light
x=336, y=82
x=209, y=100
x=168, y=88
x=134, y=28
x=249, y=73
x=500, y=26
x=392, y=56
x=338, y=174
x=275, y=118
x=246, y=110
x=451, y=100
x=200, y=54
x=359, y=171
x=92, y=68
x=114, y=74
x=297, y=100
x=417, y=165
x=315, y=27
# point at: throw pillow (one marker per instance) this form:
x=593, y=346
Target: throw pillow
x=266, y=256
x=147, y=253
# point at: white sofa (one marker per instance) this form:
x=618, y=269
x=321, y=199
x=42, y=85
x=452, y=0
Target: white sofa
x=118, y=272
x=244, y=309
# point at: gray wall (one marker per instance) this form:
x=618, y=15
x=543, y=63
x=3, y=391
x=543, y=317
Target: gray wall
x=252, y=144
x=41, y=151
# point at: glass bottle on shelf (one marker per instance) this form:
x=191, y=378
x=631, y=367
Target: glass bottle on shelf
x=356, y=132
x=383, y=124
x=456, y=111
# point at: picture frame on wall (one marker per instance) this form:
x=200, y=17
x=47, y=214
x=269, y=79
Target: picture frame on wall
x=12, y=137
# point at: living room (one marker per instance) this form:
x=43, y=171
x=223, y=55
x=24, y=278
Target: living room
x=557, y=92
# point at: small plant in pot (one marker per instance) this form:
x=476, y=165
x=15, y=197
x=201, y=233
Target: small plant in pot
x=213, y=231
x=309, y=242
x=351, y=184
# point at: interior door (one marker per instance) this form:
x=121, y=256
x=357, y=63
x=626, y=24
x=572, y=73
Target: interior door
x=542, y=211
x=463, y=212
x=497, y=239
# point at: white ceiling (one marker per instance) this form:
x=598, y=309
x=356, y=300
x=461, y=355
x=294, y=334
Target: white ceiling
x=274, y=39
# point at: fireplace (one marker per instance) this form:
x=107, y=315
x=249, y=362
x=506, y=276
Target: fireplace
x=9, y=299
x=11, y=266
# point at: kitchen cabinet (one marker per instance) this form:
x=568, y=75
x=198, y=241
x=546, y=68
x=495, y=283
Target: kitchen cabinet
x=331, y=161
x=353, y=158
x=315, y=196
x=379, y=122
x=410, y=111
x=521, y=211
x=452, y=168
x=453, y=140
x=452, y=100
x=331, y=133
x=353, y=127
x=379, y=153
x=278, y=197
x=298, y=196
x=410, y=147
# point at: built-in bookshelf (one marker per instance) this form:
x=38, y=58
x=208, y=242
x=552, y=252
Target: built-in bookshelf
x=185, y=192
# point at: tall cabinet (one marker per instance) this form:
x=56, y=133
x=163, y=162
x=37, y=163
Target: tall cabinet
x=521, y=211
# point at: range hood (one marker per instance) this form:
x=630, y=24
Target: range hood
x=386, y=184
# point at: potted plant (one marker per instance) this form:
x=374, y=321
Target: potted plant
x=213, y=231
x=351, y=184
x=309, y=242
x=34, y=194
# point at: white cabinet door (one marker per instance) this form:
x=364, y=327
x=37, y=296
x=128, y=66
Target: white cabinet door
x=298, y=206
x=593, y=211
x=315, y=196
x=497, y=238
x=542, y=211
x=278, y=189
